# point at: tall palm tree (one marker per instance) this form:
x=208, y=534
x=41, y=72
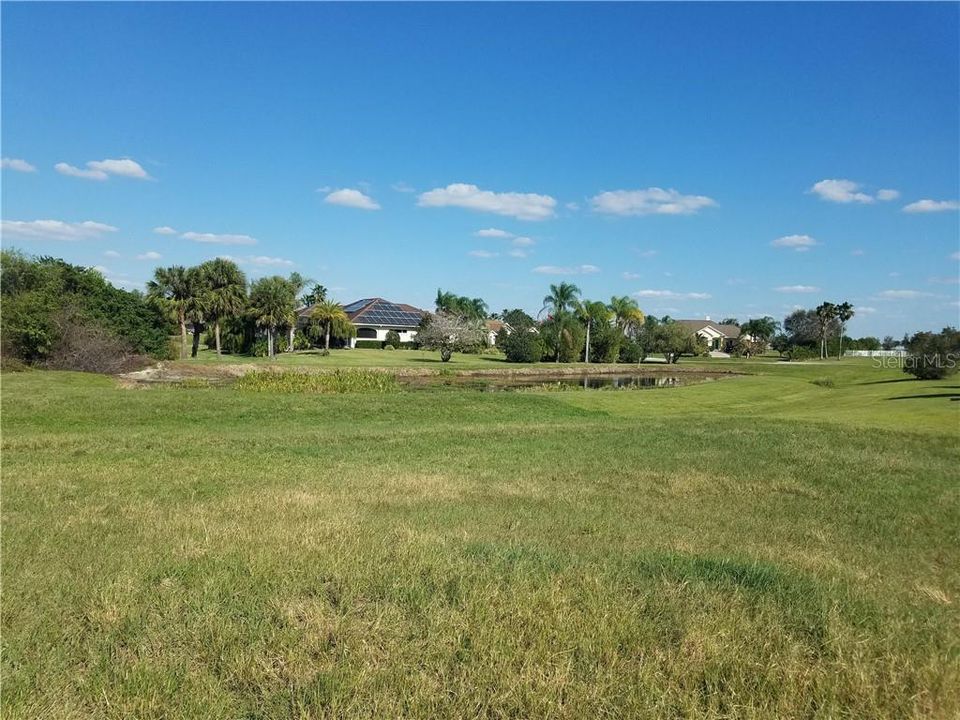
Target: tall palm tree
x=591, y=312
x=844, y=313
x=226, y=288
x=197, y=304
x=330, y=315
x=170, y=288
x=626, y=314
x=272, y=304
x=297, y=284
x=826, y=314
x=560, y=304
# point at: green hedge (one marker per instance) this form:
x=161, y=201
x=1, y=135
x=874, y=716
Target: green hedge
x=369, y=345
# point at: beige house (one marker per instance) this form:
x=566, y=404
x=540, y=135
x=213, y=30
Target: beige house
x=716, y=336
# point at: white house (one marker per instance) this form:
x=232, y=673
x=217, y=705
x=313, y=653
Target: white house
x=375, y=317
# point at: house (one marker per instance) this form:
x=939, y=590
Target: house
x=375, y=317
x=716, y=336
x=492, y=328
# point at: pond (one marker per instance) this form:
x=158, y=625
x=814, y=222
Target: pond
x=635, y=381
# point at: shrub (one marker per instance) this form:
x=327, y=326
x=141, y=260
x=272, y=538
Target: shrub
x=368, y=345
x=523, y=347
x=260, y=348
x=409, y=345
x=932, y=356
x=632, y=351
x=824, y=382
x=801, y=352
x=393, y=340
x=389, y=347
x=87, y=347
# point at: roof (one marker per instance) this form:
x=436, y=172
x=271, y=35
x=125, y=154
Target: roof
x=377, y=312
x=728, y=331
x=494, y=325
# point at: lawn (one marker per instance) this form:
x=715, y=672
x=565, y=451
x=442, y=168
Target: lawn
x=764, y=546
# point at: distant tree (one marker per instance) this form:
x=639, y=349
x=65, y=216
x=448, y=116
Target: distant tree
x=760, y=328
x=449, y=333
x=468, y=308
x=780, y=343
x=592, y=313
x=933, y=356
x=297, y=283
x=559, y=305
x=844, y=311
x=826, y=317
x=730, y=321
x=675, y=339
x=868, y=343
x=333, y=319
x=888, y=343
x=272, y=304
x=170, y=290
x=517, y=319
x=392, y=339
x=197, y=305
x=627, y=315
x=802, y=327
x=226, y=289
x=317, y=294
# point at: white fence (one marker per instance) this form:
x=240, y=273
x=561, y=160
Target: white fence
x=874, y=353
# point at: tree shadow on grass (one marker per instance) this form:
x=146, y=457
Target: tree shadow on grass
x=887, y=382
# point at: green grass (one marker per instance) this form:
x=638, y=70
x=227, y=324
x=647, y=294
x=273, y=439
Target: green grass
x=758, y=547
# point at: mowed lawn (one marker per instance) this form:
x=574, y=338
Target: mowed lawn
x=757, y=547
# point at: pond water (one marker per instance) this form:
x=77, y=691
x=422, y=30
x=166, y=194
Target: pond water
x=635, y=381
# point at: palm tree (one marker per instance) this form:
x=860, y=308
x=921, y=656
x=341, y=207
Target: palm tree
x=826, y=313
x=844, y=312
x=330, y=315
x=272, y=302
x=626, y=314
x=559, y=304
x=590, y=312
x=197, y=304
x=297, y=284
x=226, y=288
x=170, y=288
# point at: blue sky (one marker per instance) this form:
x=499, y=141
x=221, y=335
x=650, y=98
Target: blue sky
x=709, y=159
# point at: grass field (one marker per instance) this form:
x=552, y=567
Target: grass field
x=759, y=547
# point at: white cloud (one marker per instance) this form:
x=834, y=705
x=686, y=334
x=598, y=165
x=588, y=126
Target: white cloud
x=482, y=254
x=630, y=275
x=164, y=230
x=493, y=233
x=524, y=242
x=800, y=243
x=572, y=206
x=574, y=270
x=102, y=169
x=887, y=194
x=523, y=206
x=944, y=280
x=518, y=253
x=929, y=206
x=72, y=171
x=865, y=310
x=17, y=164
x=646, y=253
x=215, y=239
x=671, y=295
x=403, y=187
x=652, y=201
x=111, y=254
x=955, y=256
x=903, y=294
x=858, y=252
x=150, y=255
x=54, y=229
x=841, y=191
x=797, y=289
x=348, y=197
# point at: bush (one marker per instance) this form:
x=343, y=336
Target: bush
x=87, y=347
x=801, y=352
x=523, y=347
x=932, y=356
x=409, y=345
x=824, y=382
x=605, y=341
x=369, y=345
x=389, y=347
x=631, y=351
x=393, y=340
